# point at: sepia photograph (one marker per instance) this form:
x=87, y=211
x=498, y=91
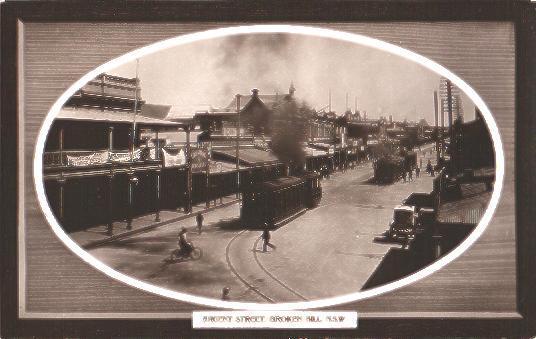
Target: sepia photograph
x=268, y=167
x=211, y=169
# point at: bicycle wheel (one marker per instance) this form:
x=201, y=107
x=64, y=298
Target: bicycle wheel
x=196, y=253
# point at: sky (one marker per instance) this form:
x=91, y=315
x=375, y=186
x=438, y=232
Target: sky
x=211, y=72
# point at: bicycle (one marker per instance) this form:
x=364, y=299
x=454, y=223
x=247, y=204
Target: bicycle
x=178, y=255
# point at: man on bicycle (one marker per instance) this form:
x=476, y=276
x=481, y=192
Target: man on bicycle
x=184, y=245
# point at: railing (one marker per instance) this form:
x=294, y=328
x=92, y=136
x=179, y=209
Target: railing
x=82, y=158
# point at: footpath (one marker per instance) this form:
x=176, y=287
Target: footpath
x=97, y=236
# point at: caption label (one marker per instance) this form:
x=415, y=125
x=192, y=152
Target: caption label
x=274, y=319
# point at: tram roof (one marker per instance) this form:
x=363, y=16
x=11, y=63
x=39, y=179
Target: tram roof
x=282, y=182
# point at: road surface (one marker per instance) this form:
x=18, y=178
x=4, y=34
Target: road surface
x=326, y=252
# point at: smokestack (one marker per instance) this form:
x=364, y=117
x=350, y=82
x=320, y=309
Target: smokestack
x=329, y=102
x=291, y=89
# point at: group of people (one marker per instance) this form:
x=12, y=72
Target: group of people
x=186, y=246
x=408, y=175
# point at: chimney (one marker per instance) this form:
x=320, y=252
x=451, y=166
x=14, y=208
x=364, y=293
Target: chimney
x=364, y=115
x=255, y=92
x=291, y=89
x=390, y=119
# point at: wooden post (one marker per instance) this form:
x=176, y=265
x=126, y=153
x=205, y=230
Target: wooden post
x=110, y=142
x=103, y=79
x=157, y=147
x=110, y=228
x=188, y=205
x=130, y=201
x=157, y=214
x=60, y=146
x=61, y=200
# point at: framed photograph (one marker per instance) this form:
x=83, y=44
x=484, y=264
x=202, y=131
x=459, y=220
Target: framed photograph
x=294, y=169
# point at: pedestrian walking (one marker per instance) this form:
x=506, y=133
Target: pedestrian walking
x=199, y=219
x=225, y=293
x=417, y=171
x=410, y=175
x=404, y=175
x=429, y=168
x=266, y=240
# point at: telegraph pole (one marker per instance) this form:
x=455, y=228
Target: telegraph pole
x=449, y=101
x=436, y=126
x=238, y=146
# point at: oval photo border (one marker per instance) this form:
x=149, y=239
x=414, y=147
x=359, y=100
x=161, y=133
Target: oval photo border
x=252, y=29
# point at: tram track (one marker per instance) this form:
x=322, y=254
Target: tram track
x=275, y=291
x=271, y=275
x=238, y=275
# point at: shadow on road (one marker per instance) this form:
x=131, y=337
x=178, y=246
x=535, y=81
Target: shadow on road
x=232, y=224
x=396, y=264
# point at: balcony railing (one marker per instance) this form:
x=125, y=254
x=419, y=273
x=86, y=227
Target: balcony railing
x=84, y=158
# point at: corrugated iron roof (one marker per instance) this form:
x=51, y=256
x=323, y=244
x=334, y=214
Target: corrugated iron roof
x=249, y=156
x=155, y=111
x=93, y=114
x=467, y=210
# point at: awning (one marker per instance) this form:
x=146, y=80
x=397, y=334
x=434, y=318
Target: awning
x=222, y=167
x=467, y=210
x=93, y=114
x=247, y=156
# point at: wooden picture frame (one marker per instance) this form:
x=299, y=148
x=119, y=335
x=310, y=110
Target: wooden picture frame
x=520, y=14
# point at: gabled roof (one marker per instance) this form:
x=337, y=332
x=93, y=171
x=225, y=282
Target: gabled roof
x=270, y=100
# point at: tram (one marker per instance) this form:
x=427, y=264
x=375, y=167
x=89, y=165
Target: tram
x=270, y=202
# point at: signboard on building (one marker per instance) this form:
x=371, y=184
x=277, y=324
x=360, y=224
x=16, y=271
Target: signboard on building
x=199, y=158
x=261, y=143
x=174, y=160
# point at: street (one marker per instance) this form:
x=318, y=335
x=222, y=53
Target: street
x=326, y=252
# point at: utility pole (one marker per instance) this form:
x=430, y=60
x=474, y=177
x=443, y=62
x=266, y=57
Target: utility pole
x=133, y=138
x=132, y=179
x=238, y=146
x=449, y=101
x=436, y=126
